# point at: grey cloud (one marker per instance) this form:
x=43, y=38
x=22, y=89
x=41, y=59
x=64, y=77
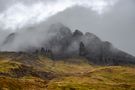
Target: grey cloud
x=4, y=4
x=116, y=25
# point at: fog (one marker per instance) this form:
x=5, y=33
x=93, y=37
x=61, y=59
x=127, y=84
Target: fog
x=23, y=13
x=111, y=20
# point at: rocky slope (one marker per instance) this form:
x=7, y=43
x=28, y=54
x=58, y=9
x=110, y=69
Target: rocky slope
x=62, y=43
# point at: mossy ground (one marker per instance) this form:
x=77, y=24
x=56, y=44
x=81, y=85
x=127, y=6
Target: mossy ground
x=77, y=75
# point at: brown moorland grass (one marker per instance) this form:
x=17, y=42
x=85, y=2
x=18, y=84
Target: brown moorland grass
x=77, y=75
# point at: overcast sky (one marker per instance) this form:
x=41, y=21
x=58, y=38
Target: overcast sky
x=112, y=20
x=18, y=13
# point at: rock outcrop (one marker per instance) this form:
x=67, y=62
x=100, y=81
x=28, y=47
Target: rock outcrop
x=9, y=39
x=62, y=43
x=65, y=44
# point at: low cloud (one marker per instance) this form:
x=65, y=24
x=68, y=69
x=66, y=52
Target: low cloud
x=22, y=13
x=116, y=23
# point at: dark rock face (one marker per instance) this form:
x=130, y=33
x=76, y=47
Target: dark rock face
x=9, y=39
x=59, y=42
x=77, y=33
x=82, y=49
x=65, y=44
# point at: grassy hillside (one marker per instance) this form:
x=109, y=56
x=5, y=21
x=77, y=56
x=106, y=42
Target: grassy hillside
x=68, y=74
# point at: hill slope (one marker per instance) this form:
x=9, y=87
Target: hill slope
x=17, y=73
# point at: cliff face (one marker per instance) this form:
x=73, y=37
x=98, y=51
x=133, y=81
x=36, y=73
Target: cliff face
x=63, y=43
x=67, y=44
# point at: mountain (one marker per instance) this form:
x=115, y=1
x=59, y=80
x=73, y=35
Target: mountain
x=64, y=60
x=67, y=44
x=62, y=43
x=9, y=39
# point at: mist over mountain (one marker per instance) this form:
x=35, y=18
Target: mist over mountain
x=67, y=45
x=61, y=42
x=117, y=25
x=76, y=35
x=111, y=20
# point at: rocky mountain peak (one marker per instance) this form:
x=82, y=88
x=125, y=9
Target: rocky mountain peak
x=65, y=44
x=77, y=33
x=9, y=39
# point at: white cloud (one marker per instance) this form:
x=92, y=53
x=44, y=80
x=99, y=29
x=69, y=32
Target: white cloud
x=19, y=15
